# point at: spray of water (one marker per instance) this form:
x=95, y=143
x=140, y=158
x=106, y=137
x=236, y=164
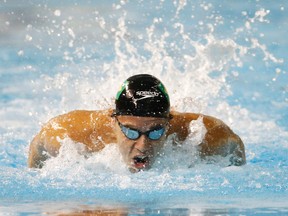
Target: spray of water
x=83, y=54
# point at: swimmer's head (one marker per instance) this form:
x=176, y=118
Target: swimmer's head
x=142, y=95
x=142, y=115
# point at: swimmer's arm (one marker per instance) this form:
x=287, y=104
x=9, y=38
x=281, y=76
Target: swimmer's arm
x=37, y=153
x=237, y=150
x=218, y=140
x=79, y=126
x=221, y=140
x=43, y=146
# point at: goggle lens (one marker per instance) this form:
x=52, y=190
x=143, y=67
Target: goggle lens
x=154, y=134
x=130, y=133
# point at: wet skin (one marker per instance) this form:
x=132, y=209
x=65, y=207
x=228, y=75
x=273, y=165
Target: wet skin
x=140, y=154
x=96, y=129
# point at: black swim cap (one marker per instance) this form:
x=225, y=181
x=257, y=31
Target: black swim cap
x=142, y=95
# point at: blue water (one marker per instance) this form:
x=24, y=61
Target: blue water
x=226, y=59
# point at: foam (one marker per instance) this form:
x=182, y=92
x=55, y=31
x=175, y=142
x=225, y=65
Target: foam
x=65, y=57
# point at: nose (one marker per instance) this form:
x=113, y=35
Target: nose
x=142, y=144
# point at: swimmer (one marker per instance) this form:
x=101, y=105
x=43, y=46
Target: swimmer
x=140, y=124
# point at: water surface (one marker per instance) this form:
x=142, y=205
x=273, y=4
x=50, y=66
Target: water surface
x=226, y=59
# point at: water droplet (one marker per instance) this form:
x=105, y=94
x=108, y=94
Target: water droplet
x=57, y=13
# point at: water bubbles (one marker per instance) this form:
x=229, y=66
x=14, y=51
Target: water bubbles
x=247, y=25
x=244, y=13
x=189, y=49
x=64, y=22
x=20, y=53
x=260, y=15
x=278, y=72
x=71, y=43
x=206, y=7
x=28, y=38
x=157, y=20
x=71, y=33
x=29, y=27
x=180, y=4
x=105, y=36
x=101, y=22
x=57, y=13
x=235, y=73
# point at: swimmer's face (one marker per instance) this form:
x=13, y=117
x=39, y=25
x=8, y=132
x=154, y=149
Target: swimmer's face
x=140, y=140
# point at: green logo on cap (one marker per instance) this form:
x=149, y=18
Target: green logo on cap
x=123, y=86
x=163, y=90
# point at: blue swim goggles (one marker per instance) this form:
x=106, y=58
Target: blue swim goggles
x=133, y=134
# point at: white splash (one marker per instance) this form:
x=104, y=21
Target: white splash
x=76, y=58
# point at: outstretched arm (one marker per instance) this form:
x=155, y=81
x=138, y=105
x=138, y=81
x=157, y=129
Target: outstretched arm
x=40, y=150
x=219, y=139
x=94, y=129
x=36, y=153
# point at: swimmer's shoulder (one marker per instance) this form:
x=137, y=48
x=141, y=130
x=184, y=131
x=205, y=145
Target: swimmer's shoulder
x=179, y=124
x=80, y=118
x=82, y=114
x=184, y=119
x=95, y=127
x=84, y=126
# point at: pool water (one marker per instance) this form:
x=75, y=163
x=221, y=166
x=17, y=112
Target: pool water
x=227, y=59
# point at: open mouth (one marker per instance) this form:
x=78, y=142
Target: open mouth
x=141, y=161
